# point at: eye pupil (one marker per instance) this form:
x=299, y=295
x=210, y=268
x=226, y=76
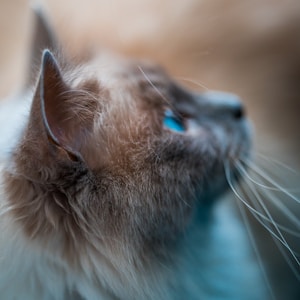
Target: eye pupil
x=172, y=122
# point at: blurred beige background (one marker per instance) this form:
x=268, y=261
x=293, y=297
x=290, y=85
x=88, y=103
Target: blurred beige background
x=251, y=48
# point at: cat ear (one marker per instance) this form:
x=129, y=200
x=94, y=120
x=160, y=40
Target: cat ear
x=59, y=118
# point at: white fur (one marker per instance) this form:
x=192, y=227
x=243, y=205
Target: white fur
x=14, y=112
x=28, y=272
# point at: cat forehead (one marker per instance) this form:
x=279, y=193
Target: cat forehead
x=116, y=72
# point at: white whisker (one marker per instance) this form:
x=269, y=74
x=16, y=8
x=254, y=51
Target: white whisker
x=254, y=245
x=277, y=162
x=197, y=83
x=280, y=226
x=273, y=198
x=252, y=210
x=270, y=180
x=288, y=260
x=239, y=165
x=154, y=87
x=280, y=236
x=257, y=213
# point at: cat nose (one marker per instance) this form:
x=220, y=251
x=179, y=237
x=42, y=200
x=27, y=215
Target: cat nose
x=237, y=110
x=226, y=104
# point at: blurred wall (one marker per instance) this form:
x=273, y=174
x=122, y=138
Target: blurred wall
x=15, y=30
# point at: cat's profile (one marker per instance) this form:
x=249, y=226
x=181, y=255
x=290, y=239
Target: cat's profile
x=109, y=187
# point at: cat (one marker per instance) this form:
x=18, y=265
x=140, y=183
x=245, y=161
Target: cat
x=111, y=175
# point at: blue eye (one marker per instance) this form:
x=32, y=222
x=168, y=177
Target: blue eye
x=172, y=122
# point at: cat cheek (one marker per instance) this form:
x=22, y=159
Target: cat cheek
x=194, y=130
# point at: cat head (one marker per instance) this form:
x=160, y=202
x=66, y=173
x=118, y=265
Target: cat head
x=116, y=156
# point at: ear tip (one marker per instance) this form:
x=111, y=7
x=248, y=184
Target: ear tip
x=49, y=62
x=47, y=55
